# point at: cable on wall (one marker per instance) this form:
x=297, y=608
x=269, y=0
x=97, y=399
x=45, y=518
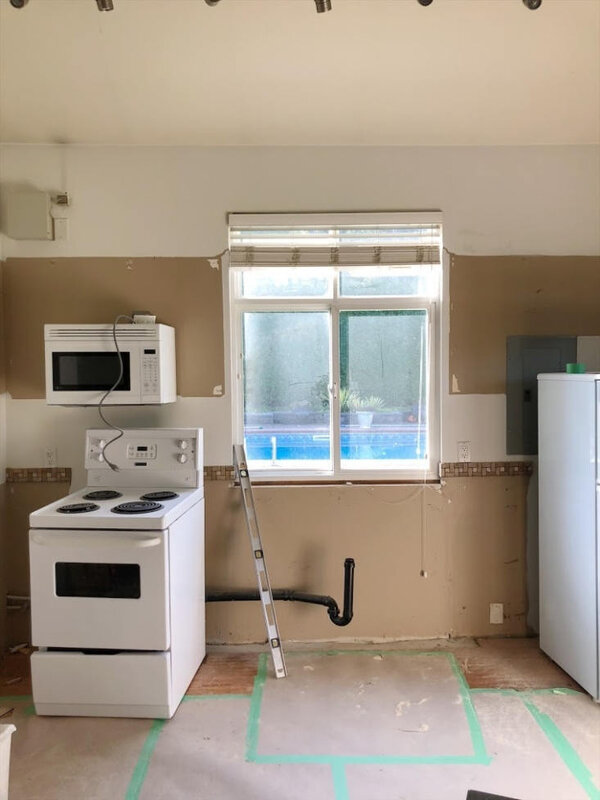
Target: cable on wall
x=121, y=432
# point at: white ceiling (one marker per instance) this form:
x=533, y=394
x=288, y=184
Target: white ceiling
x=274, y=72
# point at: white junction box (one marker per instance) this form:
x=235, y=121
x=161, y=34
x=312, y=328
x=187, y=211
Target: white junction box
x=26, y=214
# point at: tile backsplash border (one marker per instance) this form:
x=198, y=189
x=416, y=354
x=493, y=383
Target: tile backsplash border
x=38, y=475
x=449, y=469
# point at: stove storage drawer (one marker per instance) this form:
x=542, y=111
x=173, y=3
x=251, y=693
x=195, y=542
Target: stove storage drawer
x=121, y=685
x=100, y=589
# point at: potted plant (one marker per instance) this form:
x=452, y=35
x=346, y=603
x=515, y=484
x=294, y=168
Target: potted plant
x=365, y=407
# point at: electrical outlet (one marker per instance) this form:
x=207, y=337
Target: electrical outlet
x=50, y=457
x=464, y=451
x=496, y=613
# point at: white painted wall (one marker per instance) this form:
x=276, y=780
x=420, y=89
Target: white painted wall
x=173, y=201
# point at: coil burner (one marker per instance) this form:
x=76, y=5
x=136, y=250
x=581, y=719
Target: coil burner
x=136, y=507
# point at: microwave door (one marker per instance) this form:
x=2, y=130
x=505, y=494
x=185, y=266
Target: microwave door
x=82, y=373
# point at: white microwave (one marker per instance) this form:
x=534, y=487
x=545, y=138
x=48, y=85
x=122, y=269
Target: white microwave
x=82, y=364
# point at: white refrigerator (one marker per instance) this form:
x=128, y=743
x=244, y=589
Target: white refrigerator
x=569, y=511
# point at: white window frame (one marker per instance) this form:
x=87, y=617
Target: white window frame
x=334, y=304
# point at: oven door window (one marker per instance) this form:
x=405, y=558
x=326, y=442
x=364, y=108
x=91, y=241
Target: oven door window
x=75, y=579
x=73, y=371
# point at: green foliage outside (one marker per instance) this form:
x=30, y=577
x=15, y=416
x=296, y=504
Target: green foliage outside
x=286, y=358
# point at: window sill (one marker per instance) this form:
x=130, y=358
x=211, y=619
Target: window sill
x=289, y=481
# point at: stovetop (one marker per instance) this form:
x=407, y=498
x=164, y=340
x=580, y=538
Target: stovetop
x=138, y=508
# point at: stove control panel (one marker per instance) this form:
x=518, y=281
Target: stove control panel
x=141, y=452
x=165, y=456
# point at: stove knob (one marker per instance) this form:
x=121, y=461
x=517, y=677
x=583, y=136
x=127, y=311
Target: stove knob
x=182, y=458
x=182, y=444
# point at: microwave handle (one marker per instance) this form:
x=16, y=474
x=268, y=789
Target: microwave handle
x=48, y=539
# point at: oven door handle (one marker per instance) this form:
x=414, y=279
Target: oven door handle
x=49, y=539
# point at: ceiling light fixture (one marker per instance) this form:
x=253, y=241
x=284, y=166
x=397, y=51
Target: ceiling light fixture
x=532, y=4
x=18, y=3
x=105, y=5
x=425, y=2
x=322, y=5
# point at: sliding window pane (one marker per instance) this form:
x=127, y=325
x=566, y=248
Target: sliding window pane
x=286, y=397
x=283, y=282
x=388, y=282
x=384, y=391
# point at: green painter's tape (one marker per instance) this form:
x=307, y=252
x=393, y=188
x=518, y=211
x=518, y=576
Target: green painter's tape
x=565, y=750
x=557, y=691
x=339, y=763
x=527, y=692
x=143, y=762
x=473, y=721
x=340, y=784
x=255, y=704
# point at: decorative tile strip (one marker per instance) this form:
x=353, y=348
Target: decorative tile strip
x=39, y=475
x=218, y=473
x=485, y=469
x=449, y=469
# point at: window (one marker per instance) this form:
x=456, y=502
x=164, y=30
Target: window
x=334, y=324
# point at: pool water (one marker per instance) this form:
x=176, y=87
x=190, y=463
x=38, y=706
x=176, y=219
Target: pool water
x=316, y=447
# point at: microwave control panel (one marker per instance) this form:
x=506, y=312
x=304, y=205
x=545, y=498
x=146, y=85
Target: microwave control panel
x=150, y=373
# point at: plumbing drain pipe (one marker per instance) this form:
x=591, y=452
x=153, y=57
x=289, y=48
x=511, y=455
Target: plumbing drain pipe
x=302, y=597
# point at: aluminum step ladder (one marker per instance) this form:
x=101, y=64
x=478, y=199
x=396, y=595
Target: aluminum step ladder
x=264, y=586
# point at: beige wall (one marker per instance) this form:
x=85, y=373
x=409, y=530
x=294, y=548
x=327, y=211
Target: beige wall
x=470, y=541
x=499, y=296
x=174, y=202
x=468, y=535
x=2, y=467
x=183, y=292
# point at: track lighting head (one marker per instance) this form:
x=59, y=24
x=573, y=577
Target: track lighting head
x=18, y=3
x=105, y=5
x=323, y=5
x=532, y=4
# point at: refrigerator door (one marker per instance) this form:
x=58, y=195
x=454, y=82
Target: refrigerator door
x=568, y=505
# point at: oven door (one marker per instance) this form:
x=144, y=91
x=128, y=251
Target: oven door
x=80, y=373
x=99, y=589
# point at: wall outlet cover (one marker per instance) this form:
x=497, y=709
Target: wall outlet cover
x=496, y=613
x=464, y=451
x=50, y=456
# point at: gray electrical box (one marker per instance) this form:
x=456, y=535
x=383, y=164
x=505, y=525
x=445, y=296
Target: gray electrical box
x=526, y=357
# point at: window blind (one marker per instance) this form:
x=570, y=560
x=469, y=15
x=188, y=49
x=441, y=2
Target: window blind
x=335, y=245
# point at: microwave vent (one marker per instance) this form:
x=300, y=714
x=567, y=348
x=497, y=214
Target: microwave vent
x=138, y=332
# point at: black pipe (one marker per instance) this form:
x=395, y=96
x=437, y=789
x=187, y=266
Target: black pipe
x=301, y=597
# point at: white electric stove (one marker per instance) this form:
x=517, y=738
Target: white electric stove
x=117, y=579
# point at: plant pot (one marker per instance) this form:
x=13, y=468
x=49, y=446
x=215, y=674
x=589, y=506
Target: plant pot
x=365, y=419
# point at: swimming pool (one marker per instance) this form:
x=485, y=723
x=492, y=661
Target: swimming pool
x=355, y=445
